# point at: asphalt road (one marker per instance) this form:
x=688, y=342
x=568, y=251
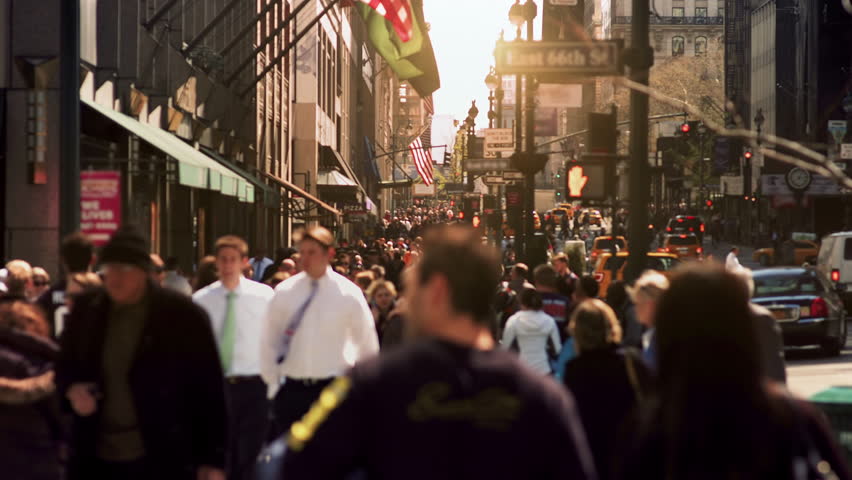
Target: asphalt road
x=809, y=372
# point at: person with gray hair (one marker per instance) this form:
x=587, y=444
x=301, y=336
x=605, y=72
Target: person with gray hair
x=19, y=279
x=768, y=332
x=645, y=294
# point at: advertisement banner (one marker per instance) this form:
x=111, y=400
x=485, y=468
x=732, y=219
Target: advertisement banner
x=100, y=204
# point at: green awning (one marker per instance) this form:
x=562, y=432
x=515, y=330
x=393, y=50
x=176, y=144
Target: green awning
x=269, y=195
x=194, y=168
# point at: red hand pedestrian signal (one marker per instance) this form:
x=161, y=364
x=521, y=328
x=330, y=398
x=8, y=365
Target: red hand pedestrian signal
x=576, y=181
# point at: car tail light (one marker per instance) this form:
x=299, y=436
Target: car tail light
x=690, y=217
x=835, y=275
x=668, y=229
x=701, y=228
x=699, y=250
x=599, y=277
x=691, y=229
x=679, y=220
x=818, y=308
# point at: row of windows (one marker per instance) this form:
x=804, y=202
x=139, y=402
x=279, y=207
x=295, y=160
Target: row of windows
x=699, y=12
x=679, y=46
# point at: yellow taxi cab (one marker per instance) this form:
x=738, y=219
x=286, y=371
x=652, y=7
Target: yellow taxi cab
x=595, y=218
x=684, y=246
x=610, y=267
x=606, y=243
x=803, y=251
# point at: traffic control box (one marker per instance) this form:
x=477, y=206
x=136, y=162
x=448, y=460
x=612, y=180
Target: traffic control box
x=836, y=403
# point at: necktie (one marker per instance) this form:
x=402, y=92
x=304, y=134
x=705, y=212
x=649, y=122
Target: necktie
x=229, y=332
x=295, y=322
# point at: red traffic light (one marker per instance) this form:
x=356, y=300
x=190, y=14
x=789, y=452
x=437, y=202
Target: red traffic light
x=709, y=203
x=747, y=155
x=461, y=215
x=476, y=221
x=684, y=128
x=452, y=203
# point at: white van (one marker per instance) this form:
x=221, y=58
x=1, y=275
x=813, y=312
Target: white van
x=835, y=261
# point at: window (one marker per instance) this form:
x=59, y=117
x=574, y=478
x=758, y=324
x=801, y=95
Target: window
x=677, y=46
x=700, y=11
x=847, y=249
x=700, y=46
x=721, y=12
x=677, y=11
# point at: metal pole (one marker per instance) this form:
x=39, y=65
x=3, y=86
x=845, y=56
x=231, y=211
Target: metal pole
x=639, y=194
x=69, y=120
x=529, y=141
x=520, y=237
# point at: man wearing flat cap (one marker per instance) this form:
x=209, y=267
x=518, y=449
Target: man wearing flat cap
x=141, y=373
x=319, y=326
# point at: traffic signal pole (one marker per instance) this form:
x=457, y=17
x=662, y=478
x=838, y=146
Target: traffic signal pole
x=641, y=59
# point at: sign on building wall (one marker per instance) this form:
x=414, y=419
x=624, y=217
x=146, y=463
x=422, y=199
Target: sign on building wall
x=100, y=204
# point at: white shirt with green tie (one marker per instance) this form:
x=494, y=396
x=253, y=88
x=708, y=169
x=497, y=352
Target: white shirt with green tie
x=245, y=334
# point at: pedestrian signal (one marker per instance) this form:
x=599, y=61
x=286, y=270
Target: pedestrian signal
x=576, y=181
x=593, y=178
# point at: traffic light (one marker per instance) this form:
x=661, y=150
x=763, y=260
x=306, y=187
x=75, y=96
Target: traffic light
x=593, y=178
x=461, y=215
x=476, y=222
x=685, y=128
x=448, y=157
x=747, y=154
x=602, y=133
x=688, y=129
x=709, y=203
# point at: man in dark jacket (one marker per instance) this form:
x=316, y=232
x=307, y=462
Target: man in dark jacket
x=140, y=369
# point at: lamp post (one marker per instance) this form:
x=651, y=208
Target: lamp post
x=749, y=171
x=526, y=161
x=493, y=83
x=702, y=135
x=470, y=123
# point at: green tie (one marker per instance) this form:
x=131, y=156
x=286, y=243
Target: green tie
x=229, y=332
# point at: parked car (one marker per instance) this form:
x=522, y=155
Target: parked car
x=606, y=243
x=835, y=262
x=803, y=251
x=806, y=305
x=687, y=224
x=610, y=267
x=684, y=246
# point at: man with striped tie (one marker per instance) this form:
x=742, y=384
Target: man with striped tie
x=237, y=308
x=319, y=326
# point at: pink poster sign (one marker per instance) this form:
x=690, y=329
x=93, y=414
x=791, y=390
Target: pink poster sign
x=100, y=204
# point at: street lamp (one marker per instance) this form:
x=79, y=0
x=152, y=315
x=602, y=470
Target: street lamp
x=470, y=122
x=492, y=82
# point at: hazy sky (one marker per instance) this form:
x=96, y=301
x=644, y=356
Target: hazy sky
x=463, y=35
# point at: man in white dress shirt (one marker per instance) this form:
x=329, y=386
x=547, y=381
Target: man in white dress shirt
x=319, y=326
x=237, y=308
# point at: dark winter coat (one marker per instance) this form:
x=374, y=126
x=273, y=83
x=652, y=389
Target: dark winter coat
x=176, y=382
x=31, y=427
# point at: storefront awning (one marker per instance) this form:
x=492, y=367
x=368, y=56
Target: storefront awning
x=333, y=178
x=270, y=195
x=294, y=189
x=194, y=168
x=331, y=158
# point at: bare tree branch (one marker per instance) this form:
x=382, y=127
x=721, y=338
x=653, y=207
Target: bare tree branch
x=820, y=165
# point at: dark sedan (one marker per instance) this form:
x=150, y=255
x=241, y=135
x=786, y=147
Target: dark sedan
x=806, y=306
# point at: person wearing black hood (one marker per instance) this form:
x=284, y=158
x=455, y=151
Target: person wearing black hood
x=140, y=369
x=33, y=429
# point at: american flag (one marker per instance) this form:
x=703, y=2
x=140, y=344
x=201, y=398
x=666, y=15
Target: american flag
x=421, y=151
x=398, y=12
x=429, y=105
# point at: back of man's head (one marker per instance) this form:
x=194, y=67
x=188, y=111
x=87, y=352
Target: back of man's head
x=18, y=278
x=471, y=270
x=520, y=270
x=172, y=264
x=76, y=252
x=588, y=287
x=544, y=277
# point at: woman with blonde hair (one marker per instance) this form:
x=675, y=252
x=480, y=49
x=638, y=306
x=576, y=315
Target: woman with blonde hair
x=381, y=295
x=607, y=382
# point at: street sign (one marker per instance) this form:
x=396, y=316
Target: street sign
x=837, y=129
x=454, y=187
x=846, y=151
x=513, y=175
x=589, y=58
x=495, y=180
x=775, y=184
x=499, y=140
x=482, y=165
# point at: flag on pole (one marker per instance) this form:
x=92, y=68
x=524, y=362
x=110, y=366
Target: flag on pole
x=421, y=151
x=397, y=12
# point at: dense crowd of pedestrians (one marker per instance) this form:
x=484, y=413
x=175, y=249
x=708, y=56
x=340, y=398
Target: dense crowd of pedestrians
x=412, y=354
